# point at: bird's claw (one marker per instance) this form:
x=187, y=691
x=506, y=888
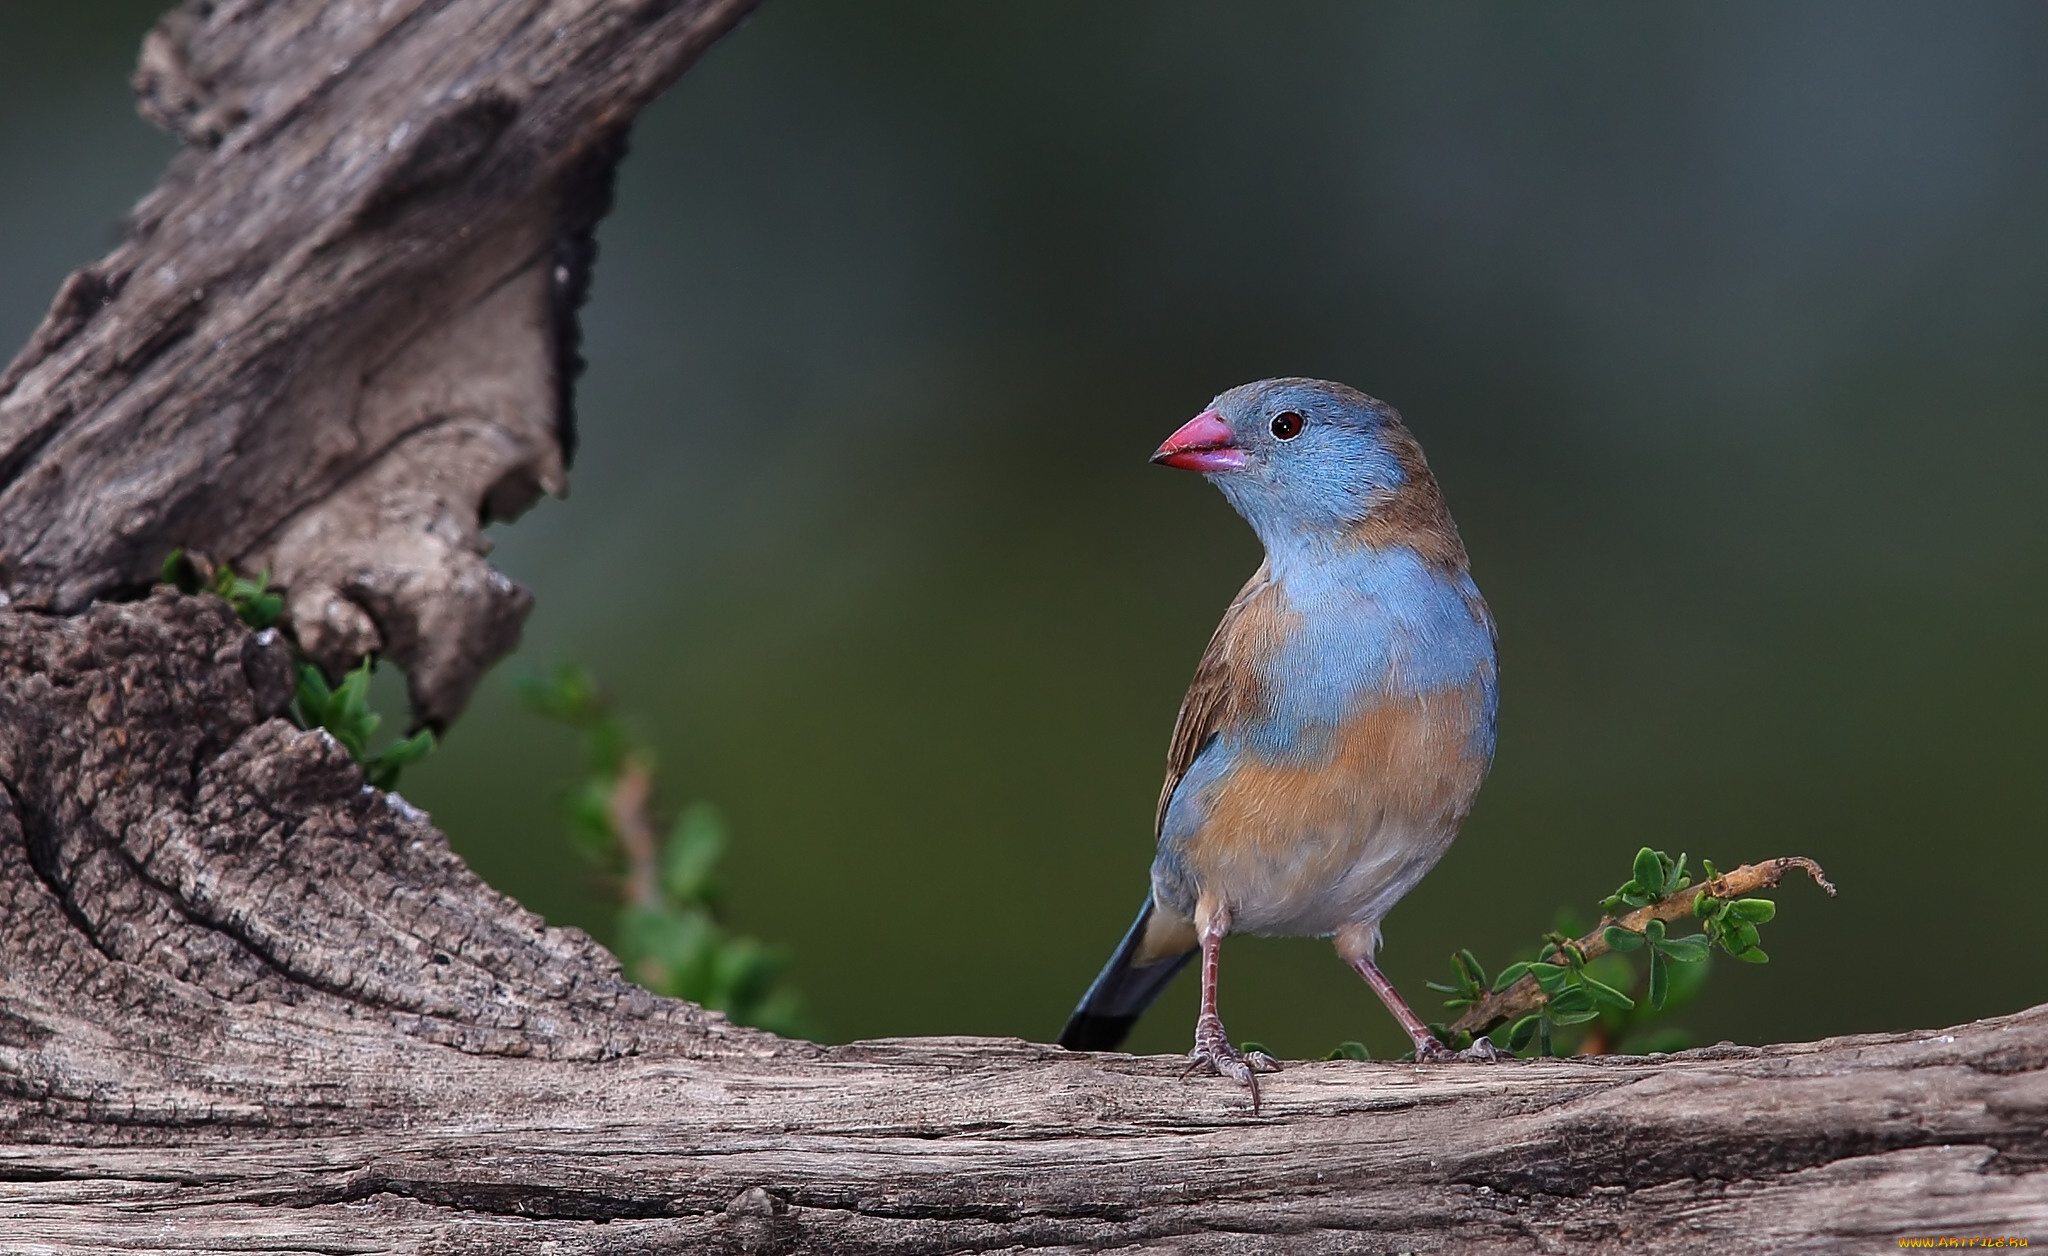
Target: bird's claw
x=1482, y=1050
x=1212, y=1051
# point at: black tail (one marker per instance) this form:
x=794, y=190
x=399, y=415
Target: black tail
x=1121, y=993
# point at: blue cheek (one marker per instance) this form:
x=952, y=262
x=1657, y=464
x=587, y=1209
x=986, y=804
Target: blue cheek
x=1312, y=485
x=1336, y=479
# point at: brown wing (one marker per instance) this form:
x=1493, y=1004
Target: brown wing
x=1222, y=688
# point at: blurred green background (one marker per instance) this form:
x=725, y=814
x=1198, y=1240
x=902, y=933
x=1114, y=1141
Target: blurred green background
x=1725, y=327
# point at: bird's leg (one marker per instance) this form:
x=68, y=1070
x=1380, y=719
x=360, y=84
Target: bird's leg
x=1427, y=1047
x=1212, y=1048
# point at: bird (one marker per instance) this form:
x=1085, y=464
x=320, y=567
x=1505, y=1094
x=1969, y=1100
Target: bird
x=1339, y=723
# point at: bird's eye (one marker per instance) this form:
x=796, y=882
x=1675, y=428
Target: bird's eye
x=1287, y=425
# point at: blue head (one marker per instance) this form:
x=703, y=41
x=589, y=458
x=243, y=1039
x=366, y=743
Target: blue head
x=1306, y=461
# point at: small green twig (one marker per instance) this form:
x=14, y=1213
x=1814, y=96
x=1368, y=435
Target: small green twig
x=631, y=791
x=1526, y=995
x=669, y=936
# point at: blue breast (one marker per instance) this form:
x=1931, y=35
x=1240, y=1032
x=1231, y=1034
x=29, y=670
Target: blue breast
x=1367, y=624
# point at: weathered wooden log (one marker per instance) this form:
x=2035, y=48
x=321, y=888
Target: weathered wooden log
x=341, y=335
x=248, y=1003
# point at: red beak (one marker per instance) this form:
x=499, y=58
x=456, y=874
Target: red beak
x=1204, y=443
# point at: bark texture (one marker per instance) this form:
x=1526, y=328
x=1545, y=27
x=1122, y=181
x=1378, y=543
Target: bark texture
x=341, y=334
x=248, y=1003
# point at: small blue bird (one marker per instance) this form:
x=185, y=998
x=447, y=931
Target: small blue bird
x=1339, y=723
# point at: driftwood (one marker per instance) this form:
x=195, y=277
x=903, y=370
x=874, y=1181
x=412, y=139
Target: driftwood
x=341, y=336
x=248, y=1003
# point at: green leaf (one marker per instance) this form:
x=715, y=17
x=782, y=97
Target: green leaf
x=1707, y=907
x=1552, y=977
x=1349, y=1051
x=589, y=811
x=1742, y=936
x=354, y=693
x=693, y=848
x=180, y=572
x=1441, y=988
x=1469, y=968
x=742, y=972
x=669, y=951
x=411, y=750
x=1614, y=970
x=1649, y=870
x=1510, y=975
x=1249, y=1047
x=1524, y=1029
x=1711, y=871
x=1605, y=995
x=1687, y=950
x=1752, y=955
x=1758, y=910
x=250, y=599
x=383, y=770
x=1620, y=939
x=313, y=694
x=263, y=611
x=1683, y=981
x=568, y=694
x=348, y=716
x=1575, y=1018
x=1676, y=880
x=1660, y=981
x=1654, y=931
x=1570, y=1002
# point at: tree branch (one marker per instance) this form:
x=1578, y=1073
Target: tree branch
x=1525, y=995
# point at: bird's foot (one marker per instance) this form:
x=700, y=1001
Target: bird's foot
x=1213, y=1051
x=1430, y=1051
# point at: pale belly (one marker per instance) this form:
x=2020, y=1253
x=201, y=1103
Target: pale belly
x=1307, y=846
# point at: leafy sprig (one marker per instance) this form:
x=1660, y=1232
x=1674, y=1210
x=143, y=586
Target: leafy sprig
x=254, y=600
x=1731, y=924
x=1656, y=875
x=669, y=935
x=1574, y=981
x=344, y=709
